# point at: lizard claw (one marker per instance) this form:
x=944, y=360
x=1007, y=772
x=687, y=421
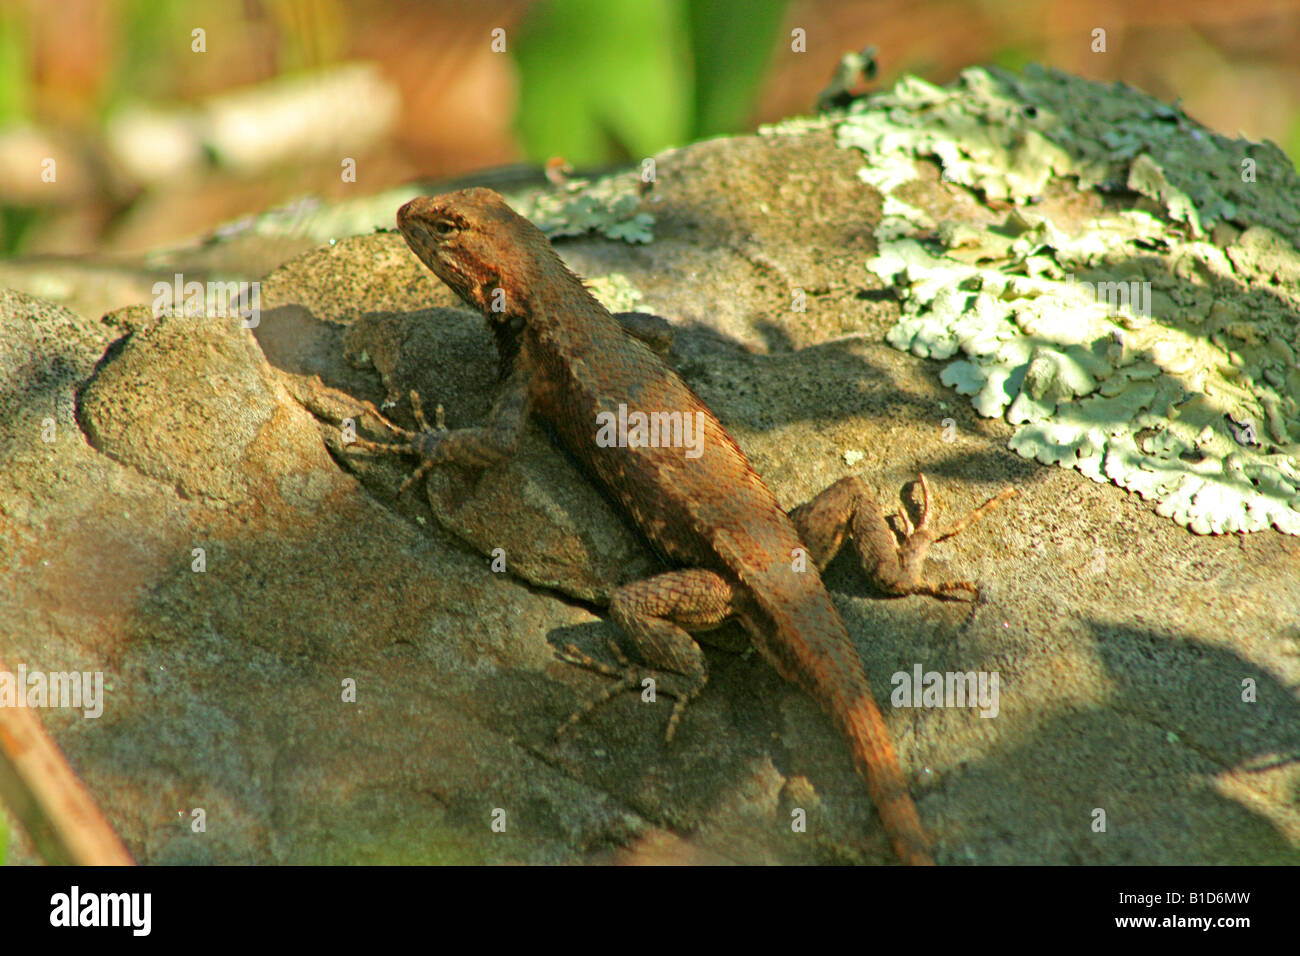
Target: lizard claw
x=925, y=535
x=425, y=443
x=981, y=511
x=627, y=677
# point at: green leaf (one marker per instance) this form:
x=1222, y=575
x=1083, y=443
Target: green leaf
x=731, y=41
x=603, y=80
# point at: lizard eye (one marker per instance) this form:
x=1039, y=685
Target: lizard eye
x=443, y=228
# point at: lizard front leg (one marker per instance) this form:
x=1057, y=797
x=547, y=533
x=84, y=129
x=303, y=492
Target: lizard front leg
x=893, y=563
x=657, y=615
x=479, y=447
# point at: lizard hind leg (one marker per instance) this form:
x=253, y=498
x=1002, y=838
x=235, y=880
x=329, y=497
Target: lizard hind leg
x=657, y=615
x=893, y=562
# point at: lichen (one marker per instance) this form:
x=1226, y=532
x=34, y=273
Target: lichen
x=1129, y=346
x=615, y=292
x=609, y=206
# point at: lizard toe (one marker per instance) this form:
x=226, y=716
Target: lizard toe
x=629, y=677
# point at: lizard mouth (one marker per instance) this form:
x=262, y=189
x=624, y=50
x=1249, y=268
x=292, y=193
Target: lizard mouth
x=419, y=238
x=405, y=212
x=415, y=229
x=424, y=244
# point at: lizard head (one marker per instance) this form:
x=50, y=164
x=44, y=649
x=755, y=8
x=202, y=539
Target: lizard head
x=486, y=252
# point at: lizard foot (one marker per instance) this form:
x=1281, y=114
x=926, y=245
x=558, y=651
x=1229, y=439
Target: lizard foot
x=627, y=677
x=423, y=443
x=917, y=539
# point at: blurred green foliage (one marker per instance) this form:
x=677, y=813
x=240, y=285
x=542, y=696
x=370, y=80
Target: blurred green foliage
x=602, y=81
x=15, y=89
x=15, y=223
x=731, y=42
x=139, y=66
x=157, y=37
x=1014, y=58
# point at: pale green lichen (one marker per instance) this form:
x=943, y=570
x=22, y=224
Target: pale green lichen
x=615, y=292
x=1127, y=346
x=609, y=206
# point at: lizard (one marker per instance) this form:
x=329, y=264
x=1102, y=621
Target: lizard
x=734, y=552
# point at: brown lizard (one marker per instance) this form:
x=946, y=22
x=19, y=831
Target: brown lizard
x=736, y=551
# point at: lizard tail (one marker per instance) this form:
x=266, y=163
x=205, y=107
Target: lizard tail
x=874, y=757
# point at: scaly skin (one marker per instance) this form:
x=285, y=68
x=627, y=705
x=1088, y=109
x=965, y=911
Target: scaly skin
x=566, y=358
